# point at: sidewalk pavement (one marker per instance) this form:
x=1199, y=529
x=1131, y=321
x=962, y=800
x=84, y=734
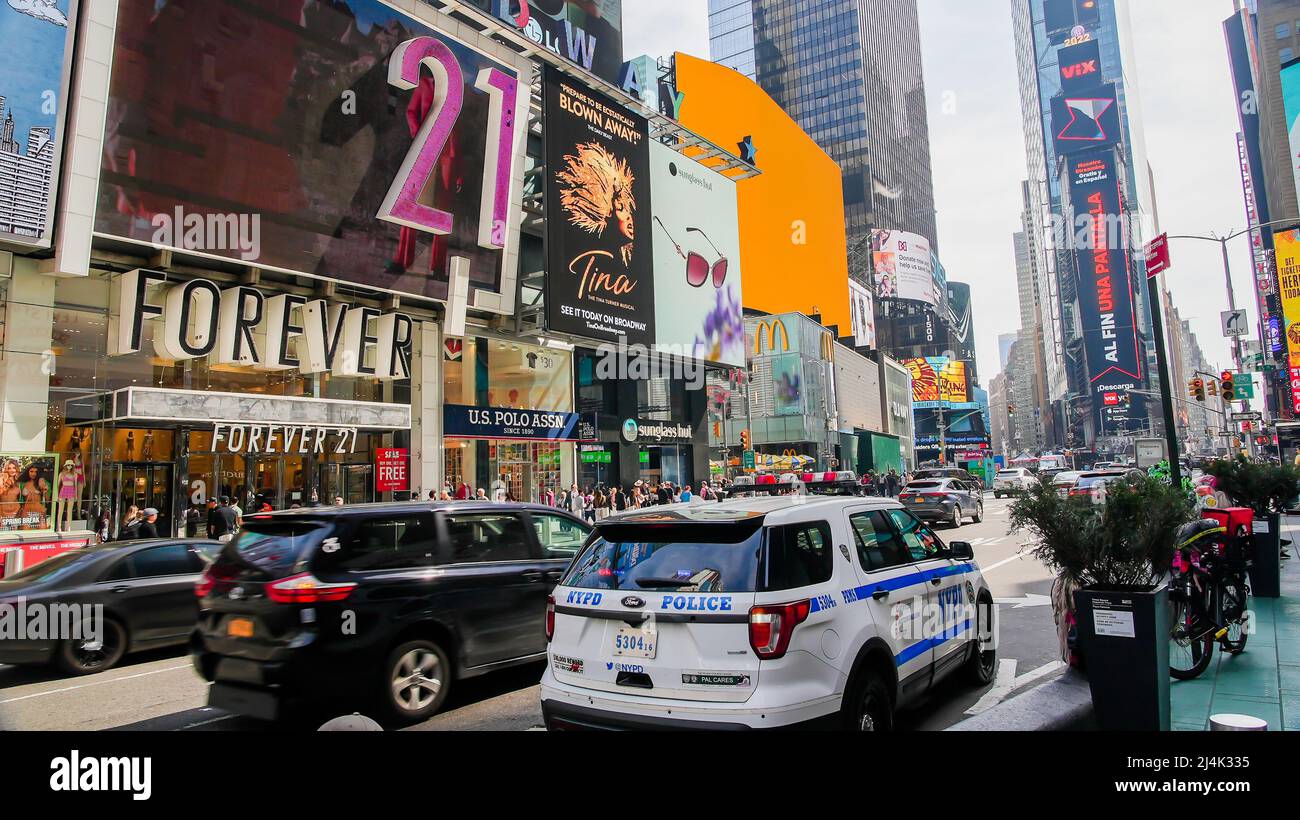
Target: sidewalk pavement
x=1263, y=681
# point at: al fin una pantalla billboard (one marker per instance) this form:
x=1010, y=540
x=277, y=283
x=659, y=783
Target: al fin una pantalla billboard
x=600, y=283
x=1108, y=312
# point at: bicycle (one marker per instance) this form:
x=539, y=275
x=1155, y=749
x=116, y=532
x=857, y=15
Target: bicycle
x=1208, y=596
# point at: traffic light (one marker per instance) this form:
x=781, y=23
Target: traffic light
x=744, y=439
x=1212, y=387
x=1229, y=389
x=1197, y=389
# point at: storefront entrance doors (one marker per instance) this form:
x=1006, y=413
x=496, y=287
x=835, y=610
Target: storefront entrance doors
x=144, y=485
x=354, y=483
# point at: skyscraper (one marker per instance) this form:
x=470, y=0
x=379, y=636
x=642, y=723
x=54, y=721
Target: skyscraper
x=1083, y=127
x=849, y=73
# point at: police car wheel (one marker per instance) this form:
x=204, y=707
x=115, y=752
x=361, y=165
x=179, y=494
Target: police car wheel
x=872, y=710
x=982, y=666
x=416, y=680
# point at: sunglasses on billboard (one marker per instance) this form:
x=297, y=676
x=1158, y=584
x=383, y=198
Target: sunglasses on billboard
x=697, y=267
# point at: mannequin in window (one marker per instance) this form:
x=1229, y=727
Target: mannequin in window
x=70, y=481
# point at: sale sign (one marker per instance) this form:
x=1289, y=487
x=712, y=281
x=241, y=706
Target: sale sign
x=392, y=470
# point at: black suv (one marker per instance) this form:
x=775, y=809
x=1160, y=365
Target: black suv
x=393, y=601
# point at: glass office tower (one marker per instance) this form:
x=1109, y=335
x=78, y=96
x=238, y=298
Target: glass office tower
x=1042, y=29
x=849, y=72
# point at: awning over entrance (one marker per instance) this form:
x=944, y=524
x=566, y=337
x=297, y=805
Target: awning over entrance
x=162, y=408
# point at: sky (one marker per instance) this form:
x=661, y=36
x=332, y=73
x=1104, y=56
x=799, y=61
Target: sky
x=978, y=154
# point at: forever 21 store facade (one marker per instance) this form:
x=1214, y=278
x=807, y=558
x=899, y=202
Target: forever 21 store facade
x=274, y=300
x=260, y=234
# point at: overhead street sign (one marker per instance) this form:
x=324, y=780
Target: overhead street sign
x=1247, y=416
x=1157, y=255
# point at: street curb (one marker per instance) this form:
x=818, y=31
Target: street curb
x=1062, y=704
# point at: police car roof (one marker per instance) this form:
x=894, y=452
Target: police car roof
x=774, y=510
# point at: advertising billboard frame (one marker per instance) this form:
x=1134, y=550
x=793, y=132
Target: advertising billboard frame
x=903, y=267
x=694, y=216
x=501, y=191
x=58, y=138
x=598, y=208
x=1098, y=265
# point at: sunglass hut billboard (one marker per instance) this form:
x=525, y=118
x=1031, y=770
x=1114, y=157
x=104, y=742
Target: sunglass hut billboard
x=643, y=243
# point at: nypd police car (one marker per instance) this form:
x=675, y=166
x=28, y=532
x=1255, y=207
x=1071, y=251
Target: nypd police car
x=762, y=613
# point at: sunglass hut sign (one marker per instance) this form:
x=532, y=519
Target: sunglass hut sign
x=239, y=325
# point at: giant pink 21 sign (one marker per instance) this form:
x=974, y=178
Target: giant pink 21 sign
x=402, y=204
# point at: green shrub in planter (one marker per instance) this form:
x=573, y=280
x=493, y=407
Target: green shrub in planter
x=1127, y=541
x=1270, y=490
x=1110, y=558
x=1265, y=488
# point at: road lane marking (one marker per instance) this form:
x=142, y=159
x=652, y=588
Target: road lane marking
x=1030, y=599
x=1006, y=683
x=95, y=683
x=1002, y=686
x=204, y=723
x=1016, y=557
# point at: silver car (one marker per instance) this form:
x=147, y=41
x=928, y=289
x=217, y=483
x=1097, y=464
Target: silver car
x=946, y=500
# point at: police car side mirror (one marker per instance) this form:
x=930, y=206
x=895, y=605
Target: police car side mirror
x=961, y=551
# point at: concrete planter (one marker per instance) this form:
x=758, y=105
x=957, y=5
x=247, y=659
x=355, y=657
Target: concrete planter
x=1124, y=635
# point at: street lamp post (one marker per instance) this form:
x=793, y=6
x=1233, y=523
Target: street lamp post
x=1227, y=275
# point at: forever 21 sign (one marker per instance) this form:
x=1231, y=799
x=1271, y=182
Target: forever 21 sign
x=240, y=326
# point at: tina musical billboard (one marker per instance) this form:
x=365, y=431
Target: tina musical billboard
x=600, y=281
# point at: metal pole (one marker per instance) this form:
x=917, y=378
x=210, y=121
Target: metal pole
x=1166, y=389
x=1236, y=340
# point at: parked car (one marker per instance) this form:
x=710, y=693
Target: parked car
x=947, y=500
x=1013, y=481
x=145, y=587
x=1064, y=481
x=390, y=602
x=1092, y=485
x=942, y=472
x=749, y=614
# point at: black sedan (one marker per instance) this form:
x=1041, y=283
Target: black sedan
x=945, y=500
x=145, y=588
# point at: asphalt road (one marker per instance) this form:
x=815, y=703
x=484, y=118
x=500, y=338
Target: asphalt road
x=160, y=691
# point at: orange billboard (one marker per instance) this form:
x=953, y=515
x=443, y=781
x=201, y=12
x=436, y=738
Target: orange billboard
x=792, y=241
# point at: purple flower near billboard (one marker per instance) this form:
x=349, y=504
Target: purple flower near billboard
x=723, y=338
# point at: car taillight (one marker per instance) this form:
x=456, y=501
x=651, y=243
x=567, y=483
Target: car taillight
x=770, y=627
x=307, y=589
x=550, y=617
x=204, y=584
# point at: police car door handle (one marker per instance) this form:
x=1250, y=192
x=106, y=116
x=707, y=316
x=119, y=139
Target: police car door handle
x=880, y=594
x=936, y=581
